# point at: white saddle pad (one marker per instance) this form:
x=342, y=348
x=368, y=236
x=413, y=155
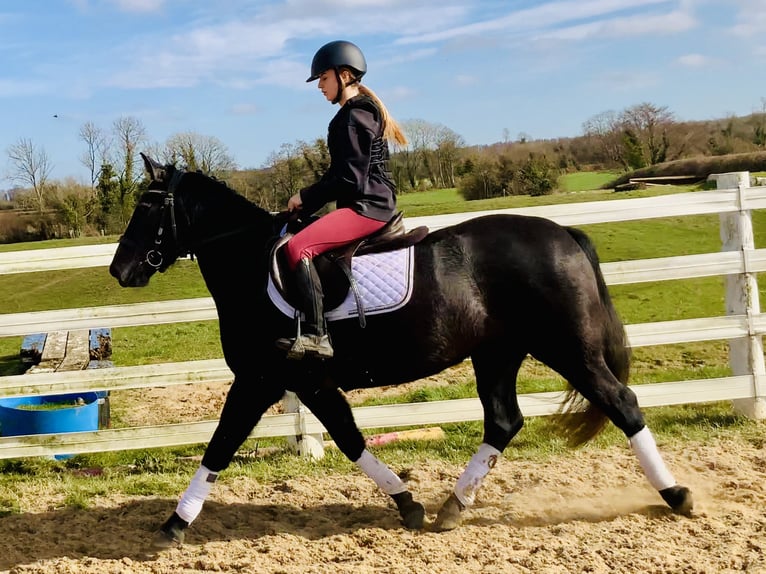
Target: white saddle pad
x=384, y=281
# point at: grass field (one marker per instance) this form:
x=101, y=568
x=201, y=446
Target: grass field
x=636, y=303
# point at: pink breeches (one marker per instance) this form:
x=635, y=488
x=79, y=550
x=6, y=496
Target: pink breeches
x=333, y=230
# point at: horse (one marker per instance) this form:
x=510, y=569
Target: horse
x=495, y=289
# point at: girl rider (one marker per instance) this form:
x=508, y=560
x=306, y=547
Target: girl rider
x=358, y=180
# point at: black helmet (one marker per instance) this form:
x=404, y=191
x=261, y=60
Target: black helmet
x=335, y=55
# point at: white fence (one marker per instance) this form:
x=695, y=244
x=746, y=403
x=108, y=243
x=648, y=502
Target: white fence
x=743, y=326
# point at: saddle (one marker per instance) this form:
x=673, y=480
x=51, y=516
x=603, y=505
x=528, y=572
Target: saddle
x=334, y=266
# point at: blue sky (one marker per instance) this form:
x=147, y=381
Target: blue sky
x=236, y=69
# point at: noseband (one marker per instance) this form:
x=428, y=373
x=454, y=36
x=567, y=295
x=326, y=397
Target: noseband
x=154, y=257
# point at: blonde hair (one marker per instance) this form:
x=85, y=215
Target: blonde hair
x=392, y=131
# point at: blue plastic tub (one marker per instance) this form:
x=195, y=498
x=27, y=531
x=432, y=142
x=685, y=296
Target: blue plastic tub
x=16, y=421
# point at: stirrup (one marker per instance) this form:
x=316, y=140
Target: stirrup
x=294, y=348
x=312, y=345
x=317, y=345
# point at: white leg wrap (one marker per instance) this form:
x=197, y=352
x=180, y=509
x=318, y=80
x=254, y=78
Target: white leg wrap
x=194, y=496
x=473, y=475
x=383, y=476
x=649, y=458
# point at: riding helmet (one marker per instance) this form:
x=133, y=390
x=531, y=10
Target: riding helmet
x=337, y=54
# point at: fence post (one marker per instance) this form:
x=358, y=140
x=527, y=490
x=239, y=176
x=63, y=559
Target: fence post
x=311, y=445
x=746, y=353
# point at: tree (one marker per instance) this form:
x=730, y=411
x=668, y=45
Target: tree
x=648, y=125
x=538, y=176
x=96, y=148
x=316, y=156
x=404, y=168
x=109, y=214
x=634, y=154
x=129, y=134
x=287, y=175
x=195, y=151
x=422, y=137
x=481, y=182
x=447, y=152
x=607, y=131
x=30, y=167
x=759, y=130
x=74, y=204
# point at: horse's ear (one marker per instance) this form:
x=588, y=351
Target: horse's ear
x=156, y=171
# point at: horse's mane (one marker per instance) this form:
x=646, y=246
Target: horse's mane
x=235, y=204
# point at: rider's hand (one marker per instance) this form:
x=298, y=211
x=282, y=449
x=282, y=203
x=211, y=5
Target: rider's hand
x=294, y=203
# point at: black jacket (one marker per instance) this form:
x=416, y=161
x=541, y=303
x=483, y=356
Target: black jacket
x=358, y=175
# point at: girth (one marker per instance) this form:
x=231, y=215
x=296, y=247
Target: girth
x=334, y=266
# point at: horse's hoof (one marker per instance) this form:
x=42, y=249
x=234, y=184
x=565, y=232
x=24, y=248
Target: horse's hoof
x=412, y=512
x=449, y=515
x=171, y=533
x=679, y=498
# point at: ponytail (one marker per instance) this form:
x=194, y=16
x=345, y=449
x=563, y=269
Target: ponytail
x=391, y=129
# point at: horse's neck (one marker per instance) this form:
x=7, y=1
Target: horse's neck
x=214, y=214
x=228, y=234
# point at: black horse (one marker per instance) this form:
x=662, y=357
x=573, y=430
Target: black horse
x=494, y=288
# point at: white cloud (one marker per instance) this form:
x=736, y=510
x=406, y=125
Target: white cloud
x=466, y=80
x=543, y=17
x=355, y=17
x=639, y=25
x=10, y=88
x=245, y=109
x=695, y=60
x=626, y=81
x=259, y=46
x=81, y=5
x=751, y=18
x=411, y=56
x=140, y=5
x=398, y=94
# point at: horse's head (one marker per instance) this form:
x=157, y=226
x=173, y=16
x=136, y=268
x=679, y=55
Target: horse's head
x=150, y=242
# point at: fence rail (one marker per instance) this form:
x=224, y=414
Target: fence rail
x=748, y=326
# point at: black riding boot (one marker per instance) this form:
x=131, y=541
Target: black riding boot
x=311, y=338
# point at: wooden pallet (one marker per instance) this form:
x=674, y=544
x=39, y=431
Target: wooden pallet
x=71, y=351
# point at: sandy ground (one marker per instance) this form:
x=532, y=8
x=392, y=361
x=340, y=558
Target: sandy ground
x=590, y=511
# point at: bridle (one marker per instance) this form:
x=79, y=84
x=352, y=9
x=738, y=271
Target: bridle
x=155, y=257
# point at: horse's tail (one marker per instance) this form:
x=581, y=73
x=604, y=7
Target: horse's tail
x=584, y=420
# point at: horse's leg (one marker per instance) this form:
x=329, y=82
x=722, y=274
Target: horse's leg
x=496, y=368
x=246, y=402
x=593, y=379
x=332, y=409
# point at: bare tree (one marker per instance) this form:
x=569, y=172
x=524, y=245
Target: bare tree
x=606, y=129
x=199, y=152
x=30, y=167
x=448, y=145
x=422, y=137
x=129, y=136
x=96, y=148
